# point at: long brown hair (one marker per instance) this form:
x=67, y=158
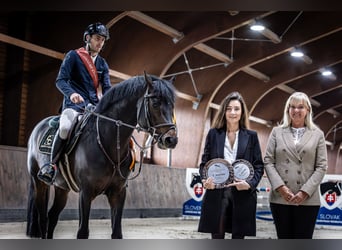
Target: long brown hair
x=220, y=118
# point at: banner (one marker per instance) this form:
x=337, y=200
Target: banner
x=330, y=212
x=196, y=191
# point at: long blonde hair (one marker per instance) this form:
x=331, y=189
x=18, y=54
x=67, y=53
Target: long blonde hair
x=220, y=118
x=295, y=98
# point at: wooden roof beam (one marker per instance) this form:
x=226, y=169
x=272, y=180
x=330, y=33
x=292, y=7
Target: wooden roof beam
x=155, y=24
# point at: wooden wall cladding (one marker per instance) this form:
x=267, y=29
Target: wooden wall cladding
x=155, y=187
x=14, y=177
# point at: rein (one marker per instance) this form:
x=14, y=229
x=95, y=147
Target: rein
x=147, y=128
x=118, y=124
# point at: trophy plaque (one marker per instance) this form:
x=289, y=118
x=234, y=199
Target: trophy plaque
x=243, y=170
x=220, y=170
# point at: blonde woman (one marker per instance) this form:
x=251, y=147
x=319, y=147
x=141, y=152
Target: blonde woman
x=295, y=163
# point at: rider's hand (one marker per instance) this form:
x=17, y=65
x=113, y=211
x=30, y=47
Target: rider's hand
x=76, y=98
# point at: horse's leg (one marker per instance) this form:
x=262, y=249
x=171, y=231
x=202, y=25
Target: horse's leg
x=41, y=203
x=60, y=200
x=84, y=211
x=116, y=201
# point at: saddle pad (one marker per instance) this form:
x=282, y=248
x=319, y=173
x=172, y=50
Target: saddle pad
x=45, y=145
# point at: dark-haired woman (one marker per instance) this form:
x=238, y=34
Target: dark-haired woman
x=232, y=208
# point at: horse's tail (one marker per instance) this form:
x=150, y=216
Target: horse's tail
x=38, y=192
x=32, y=226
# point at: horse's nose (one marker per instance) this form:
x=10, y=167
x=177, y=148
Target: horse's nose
x=171, y=141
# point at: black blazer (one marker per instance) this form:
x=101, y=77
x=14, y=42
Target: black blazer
x=243, y=218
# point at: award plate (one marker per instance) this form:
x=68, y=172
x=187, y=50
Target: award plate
x=243, y=170
x=220, y=170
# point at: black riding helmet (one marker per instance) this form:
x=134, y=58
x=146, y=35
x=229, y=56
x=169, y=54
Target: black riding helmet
x=96, y=28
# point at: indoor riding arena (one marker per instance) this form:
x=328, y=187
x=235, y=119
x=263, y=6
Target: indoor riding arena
x=206, y=55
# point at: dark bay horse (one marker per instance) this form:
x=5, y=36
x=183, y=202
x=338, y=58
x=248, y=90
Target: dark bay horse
x=100, y=161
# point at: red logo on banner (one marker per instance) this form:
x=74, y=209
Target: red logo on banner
x=330, y=198
x=198, y=189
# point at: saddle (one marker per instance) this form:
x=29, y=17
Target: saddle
x=45, y=145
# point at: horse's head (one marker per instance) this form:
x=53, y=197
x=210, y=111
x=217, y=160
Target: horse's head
x=196, y=178
x=156, y=111
x=331, y=187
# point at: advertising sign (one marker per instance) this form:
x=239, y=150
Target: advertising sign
x=330, y=212
x=196, y=191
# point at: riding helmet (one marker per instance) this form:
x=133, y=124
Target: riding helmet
x=96, y=28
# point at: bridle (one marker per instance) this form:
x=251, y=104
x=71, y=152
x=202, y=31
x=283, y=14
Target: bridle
x=144, y=119
x=144, y=124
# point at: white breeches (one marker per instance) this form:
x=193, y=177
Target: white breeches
x=67, y=117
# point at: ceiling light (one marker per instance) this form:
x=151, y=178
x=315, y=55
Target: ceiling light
x=297, y=53
x=328, y=74
x=257, y=27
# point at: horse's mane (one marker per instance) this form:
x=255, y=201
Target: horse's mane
x=135, y=87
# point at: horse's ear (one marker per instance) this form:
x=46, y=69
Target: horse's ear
x=148, y=79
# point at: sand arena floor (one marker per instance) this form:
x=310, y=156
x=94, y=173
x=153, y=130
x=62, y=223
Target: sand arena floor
x=153, y=228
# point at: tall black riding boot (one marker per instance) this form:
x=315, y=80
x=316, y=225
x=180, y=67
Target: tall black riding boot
x=48, y=172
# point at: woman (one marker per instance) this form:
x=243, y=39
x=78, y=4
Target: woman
x=295, y=163
x=231, y=209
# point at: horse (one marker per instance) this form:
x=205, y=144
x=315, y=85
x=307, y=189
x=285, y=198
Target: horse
x=99, y=162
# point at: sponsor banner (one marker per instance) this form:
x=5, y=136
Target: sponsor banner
x=192, y=208
x=194, y=184
x=196, y=191
x=330, y=212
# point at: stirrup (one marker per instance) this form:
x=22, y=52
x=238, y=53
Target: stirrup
x=47, y=173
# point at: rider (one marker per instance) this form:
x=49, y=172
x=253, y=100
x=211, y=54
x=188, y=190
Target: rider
x=83, y=78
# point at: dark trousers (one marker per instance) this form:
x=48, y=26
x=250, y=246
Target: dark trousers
x=225, y=212
x=294, y=222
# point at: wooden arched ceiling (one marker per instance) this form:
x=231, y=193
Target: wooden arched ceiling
x=227, y=39
x=213, y=53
